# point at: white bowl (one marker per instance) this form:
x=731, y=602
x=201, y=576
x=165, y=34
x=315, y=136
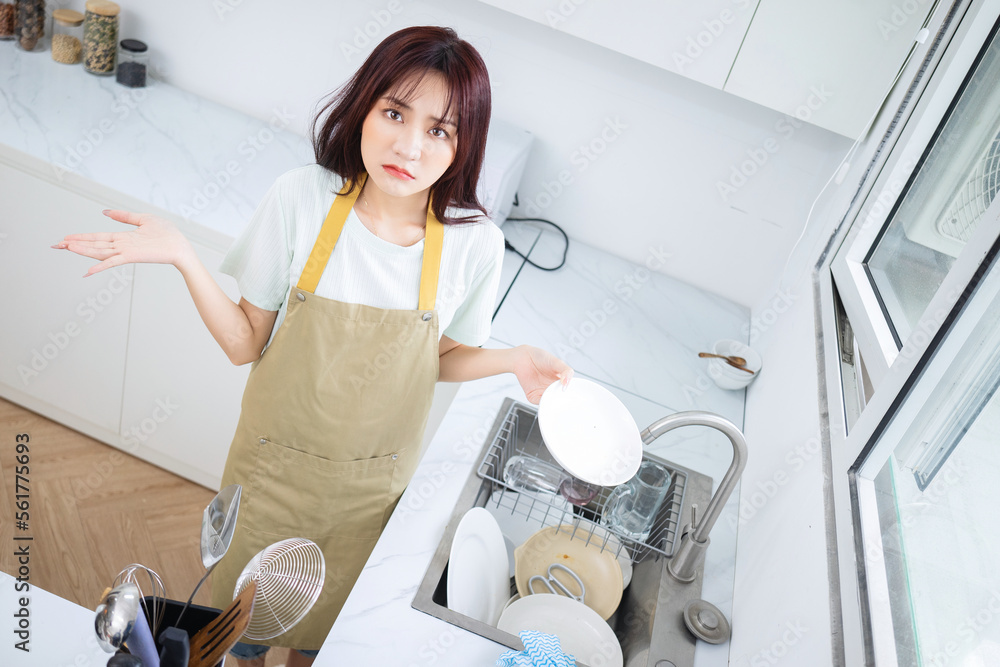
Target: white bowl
x=728, y=377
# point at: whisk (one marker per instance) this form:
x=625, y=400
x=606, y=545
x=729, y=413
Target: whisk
x=141, y=576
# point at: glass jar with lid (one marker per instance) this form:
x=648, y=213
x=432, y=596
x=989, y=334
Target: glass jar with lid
x=133, y=58
x=29, y=26
x=8, y=17
x=100, y=36
x=67, y=36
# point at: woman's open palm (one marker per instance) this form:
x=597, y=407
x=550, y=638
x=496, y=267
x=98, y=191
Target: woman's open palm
x=153, y=241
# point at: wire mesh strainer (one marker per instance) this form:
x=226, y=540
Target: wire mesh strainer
x=289, y=576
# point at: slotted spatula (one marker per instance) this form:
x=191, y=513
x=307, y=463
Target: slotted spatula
x=215, y=639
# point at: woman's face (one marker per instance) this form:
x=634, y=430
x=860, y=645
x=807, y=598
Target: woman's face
x=407, y=145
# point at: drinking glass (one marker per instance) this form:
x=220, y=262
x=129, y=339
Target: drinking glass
x=631, y=507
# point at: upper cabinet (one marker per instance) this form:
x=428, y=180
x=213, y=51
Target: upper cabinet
x=698, y=40
x=826, y=63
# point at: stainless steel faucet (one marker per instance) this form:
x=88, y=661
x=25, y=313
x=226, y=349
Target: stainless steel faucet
x=694, y=537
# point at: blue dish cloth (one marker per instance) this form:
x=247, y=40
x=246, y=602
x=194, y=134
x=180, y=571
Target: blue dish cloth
x=540, y=650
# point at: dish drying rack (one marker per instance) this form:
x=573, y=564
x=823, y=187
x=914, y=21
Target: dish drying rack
x=519, y=435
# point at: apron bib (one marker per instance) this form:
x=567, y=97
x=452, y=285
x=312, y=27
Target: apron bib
x=332, y=420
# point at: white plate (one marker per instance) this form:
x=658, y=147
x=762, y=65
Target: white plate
x=478, y=579
x=590, y=432
x=581, y=631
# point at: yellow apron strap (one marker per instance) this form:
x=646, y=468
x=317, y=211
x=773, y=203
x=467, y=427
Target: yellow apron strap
x=433, y=241
x=329, y=233
x=327, y=239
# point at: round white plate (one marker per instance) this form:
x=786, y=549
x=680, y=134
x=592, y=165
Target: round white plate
x=478, y=569
x=581, y=631
x=589, y=432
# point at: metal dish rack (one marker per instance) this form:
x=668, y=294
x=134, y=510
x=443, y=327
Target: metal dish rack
x=519, y=435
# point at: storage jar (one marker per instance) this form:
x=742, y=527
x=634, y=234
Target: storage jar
x=133, y=59
x=100, y=36
x=8, y=15
x=29, y=27
x=67, y=36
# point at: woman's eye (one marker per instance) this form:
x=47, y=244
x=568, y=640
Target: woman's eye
x=393, y=114
x=439, y=133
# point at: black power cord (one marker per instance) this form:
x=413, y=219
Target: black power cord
x=525, y=257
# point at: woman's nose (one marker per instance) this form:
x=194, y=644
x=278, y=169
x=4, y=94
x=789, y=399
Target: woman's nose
x=409, y=144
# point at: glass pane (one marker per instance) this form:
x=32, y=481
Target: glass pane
x=939, y=210
x=937, y=497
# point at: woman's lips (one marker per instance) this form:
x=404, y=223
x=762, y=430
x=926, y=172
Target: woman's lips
x=399, y=173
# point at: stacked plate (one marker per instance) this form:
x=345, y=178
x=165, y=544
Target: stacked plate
x=478, y=569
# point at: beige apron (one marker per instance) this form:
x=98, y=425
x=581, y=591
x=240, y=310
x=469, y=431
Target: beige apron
x=332, y=420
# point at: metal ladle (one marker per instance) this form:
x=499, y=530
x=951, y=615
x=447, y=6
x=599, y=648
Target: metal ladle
x=116, y=615
x=118, y=620
x=217, y=526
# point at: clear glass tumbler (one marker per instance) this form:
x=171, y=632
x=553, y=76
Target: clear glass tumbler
x=631, y=507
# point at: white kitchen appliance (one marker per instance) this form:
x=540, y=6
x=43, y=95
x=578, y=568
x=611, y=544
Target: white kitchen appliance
x=507, y=149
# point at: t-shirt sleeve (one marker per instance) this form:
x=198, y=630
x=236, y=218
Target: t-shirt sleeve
x=471, y=324
x=260, y=258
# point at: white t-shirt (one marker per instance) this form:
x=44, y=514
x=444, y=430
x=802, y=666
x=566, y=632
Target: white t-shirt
x=269, y=256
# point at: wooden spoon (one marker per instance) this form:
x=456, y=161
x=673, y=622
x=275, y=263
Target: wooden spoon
x=215, y=639
x=733, y=360
x=742, y=368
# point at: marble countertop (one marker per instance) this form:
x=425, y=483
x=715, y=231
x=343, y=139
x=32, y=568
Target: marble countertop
x=624, y=325
x=58, y=632
x=199, y=160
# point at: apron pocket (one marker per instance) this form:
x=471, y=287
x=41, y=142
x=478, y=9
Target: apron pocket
x=295, y=494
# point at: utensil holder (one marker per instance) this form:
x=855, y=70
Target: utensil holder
x=195, y=618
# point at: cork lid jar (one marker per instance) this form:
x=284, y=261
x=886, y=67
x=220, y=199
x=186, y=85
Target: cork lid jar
x=67, y=36
x=103, y=7
x=100, y=36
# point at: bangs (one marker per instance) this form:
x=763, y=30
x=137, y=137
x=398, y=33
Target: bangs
x=406, y=86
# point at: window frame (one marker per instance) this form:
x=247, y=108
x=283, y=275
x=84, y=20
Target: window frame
x=862, y=610
x=917, y=131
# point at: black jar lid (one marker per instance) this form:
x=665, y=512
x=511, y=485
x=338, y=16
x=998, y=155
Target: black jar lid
x=134, y=45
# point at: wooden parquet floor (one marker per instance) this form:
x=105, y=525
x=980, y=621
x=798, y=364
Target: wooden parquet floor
x=95, y=509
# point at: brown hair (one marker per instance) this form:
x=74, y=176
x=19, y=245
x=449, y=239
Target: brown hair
x=405, y=53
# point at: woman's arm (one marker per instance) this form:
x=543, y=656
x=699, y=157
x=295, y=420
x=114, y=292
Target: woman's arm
x=240, y=329
x=535, y=369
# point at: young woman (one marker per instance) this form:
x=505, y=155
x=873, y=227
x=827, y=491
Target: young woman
x=364, y=279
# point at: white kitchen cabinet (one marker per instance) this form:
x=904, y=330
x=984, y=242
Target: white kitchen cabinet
x=827, y=63
x=182, y=394
x=698, y=40
x=63, y=336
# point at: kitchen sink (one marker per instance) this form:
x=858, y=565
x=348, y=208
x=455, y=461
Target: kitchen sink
x=649, y=622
